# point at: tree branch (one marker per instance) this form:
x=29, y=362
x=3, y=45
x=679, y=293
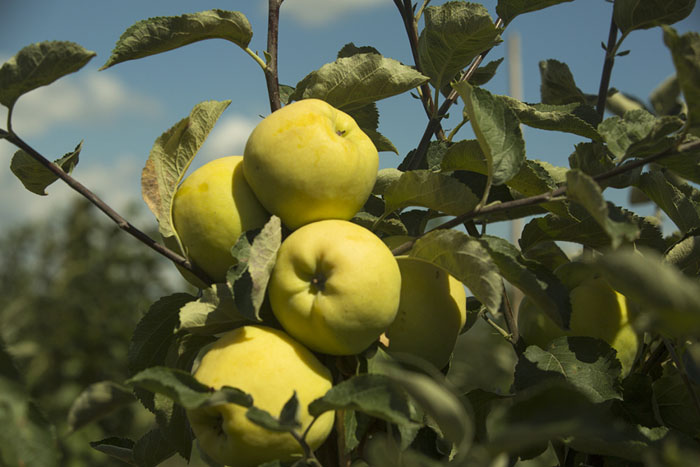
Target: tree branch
x=271, y=73
x=610, y=51
x=418, y=157
x=122, y=223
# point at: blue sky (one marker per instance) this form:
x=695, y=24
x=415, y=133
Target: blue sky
x=121, y=111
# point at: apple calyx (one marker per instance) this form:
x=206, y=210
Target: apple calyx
x=319, y=281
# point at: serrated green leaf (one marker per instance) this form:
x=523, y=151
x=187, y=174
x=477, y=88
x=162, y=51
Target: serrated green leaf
x=353, y=82
x=213, y=312
x=96, y=401
x=454, y=34
x=644, y=14
x=683, y=210
x=685, y=51
x=185, y=390
x=118, y=448
x=34, y=176
x=509, y=9
x=638, y=133
x=465, y=258
x=389, y=226
x=38, y=65
x=432, y=190
x=372, y=394
x=170, y=157
x=588, y=364
x=535, y=281
x=152, y=449
x=574, y=118
x=685, y=255
x=557, y=84
x=351, y=49
x=497, y=130
x=669, y=301
x=156, y=35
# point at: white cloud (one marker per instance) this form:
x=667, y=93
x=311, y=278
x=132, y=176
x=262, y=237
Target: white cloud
x=84, y=98
x=313, y=13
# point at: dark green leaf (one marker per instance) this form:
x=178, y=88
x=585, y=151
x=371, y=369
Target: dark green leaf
x=584, y=190
x=686, y=165
x=288, y=420
x=38, y=65
x=637, y=400
x=465, y=258
x=118, y=448
x=685, y=255
x=594, y=159
x=152, y=449
x=389, y=226
x=638, y=134
x=558, y=86
x=683, y=210
x=644, y=14
x=34, y=176
x=97, y=401
x=213, y=312
x=372, y=394
x=483, y=74
x=157, y=35
x=352, y=82
x=674, y=404
x=588, y=364
x=367, y=118
x=429, y=189
x=454, y=34
x=185, y=390
x=665, y=97
x=351, y=49
x=685, y=51
x=170, y=157
x=497, y=130
x=509, y=9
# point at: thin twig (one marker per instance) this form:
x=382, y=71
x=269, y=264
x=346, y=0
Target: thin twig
x=610, y=51
x=271, y=73
x=122, y=223
x=418, y=156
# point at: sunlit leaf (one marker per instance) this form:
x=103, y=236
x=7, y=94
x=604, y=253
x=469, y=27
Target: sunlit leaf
x=432, y=190
x=160, y=34
x=638, y=133
x=213, y=312
x=685, y=50
x=509, y=9
x=644, y=14
x=35, y=176
x=38, y=65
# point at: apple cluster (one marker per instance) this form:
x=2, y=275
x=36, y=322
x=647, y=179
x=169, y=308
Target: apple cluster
x=335, y=289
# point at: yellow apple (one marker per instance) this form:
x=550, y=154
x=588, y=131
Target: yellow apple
x=309, y=161
x=432, y=309
x=269, y=365
x=211, y=208
x=597, y=310
x=335, y=286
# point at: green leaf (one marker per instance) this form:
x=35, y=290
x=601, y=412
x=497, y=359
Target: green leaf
x=367, y=118
x=483, y=74
x=38, y=65
x=638, y=133
x=465, y=258
x=288, y=420
x=644, y=14
x=156, y=35
x=509, y=9
x=170, y=157
x=213, y=312
x=588, y=364
x=685, y=51
x=34, y=176
x=152, y=449
x=497, y=130
x=584, y=190
x=575, y=118
x=685, y=255
x=185, y=390
x=686, y=165
x=594, y=159
x=353, y=82
x=372, y=394
x=119, y=448
x=664, y=97
x=558, y=86
x=454, y=34
x=535, y=281
x=96, y=401
x=351, y=49
x=431, y=190
x=674, y=404
x=668, y=301
x=389, y=226
x=682, y=209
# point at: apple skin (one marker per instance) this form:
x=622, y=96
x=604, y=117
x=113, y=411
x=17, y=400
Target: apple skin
x=335, y=287
x=309, y=161
x=597, y=310
x=211, y=208
x=269, y=365
x=432, y=309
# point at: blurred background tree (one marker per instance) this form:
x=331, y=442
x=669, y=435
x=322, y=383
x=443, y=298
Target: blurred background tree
x=72, y=289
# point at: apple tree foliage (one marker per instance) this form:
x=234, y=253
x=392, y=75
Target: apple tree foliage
x=568, y=403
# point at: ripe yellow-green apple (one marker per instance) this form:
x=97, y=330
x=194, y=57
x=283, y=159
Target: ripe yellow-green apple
x=432, y=309
x=309, y=161
x=335, y=286
x=597, y=310
x=270, y=366
x=211, y=208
